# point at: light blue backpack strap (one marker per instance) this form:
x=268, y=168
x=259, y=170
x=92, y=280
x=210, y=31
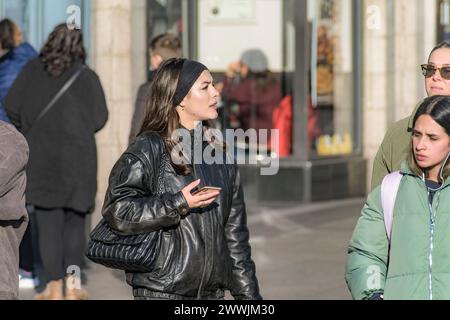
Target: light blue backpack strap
x=389, y=189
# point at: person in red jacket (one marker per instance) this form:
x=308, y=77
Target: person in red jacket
x=251, y=85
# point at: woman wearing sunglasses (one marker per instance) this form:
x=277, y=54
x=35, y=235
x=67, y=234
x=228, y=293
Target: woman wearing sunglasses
x=414, y=263
x=394, y=148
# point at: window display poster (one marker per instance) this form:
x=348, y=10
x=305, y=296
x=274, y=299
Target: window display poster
x=325, y=51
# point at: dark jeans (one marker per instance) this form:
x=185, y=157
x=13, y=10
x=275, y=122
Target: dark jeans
x=62, y=237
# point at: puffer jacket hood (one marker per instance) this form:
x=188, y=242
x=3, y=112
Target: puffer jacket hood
x=205, y=251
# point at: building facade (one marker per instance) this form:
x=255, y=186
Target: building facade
x=351, y=68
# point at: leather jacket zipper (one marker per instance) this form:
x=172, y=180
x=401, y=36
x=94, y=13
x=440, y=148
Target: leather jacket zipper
x=199, y=293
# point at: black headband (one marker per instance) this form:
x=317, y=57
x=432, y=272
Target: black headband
x=190, y=72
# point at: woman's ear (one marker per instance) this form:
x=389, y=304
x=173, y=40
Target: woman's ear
x=184, y=103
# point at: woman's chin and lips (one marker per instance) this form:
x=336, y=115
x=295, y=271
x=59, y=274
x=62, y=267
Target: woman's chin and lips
x=426, y=163
x=211, y=113
x=437, y=91
x=422, y=160
x=213, y=110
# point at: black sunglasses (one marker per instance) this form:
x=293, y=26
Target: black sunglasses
x=428, y=70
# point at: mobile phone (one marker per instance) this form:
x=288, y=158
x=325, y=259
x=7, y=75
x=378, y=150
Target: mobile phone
x=206, y=188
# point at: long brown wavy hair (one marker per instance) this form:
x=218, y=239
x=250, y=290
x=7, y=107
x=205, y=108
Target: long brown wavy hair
x=62, y=49
x=161, y=114
x=162, y=117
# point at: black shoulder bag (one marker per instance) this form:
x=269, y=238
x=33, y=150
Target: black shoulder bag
x=132, y=253
x=55, y=99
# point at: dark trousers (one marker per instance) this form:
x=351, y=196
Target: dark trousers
x=62, y=237
x=30, y=259
x=26, y=253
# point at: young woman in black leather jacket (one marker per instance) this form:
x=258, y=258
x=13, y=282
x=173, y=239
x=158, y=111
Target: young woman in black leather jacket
x=205, y=249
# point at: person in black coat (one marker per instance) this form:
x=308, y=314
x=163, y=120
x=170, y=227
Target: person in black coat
x=62, y=170
x=205, y=247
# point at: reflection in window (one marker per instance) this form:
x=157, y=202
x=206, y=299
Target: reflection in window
x=256, y=73
x=252, y=92
x=165, y=16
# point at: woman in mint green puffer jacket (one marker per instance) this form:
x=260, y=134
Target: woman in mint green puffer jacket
x=415, y=263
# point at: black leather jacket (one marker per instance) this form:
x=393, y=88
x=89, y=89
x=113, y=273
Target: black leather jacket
x=204, y=252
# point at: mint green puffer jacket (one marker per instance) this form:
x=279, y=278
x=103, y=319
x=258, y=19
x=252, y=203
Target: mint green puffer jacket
x=417, y=265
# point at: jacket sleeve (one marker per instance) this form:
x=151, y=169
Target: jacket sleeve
x=381, y=166
x=237, y=90
x=367, y=255
x=392, y=152
x=244, y=282
x=14, y=99
x=139, y=111
x=13, y=160
x=132, y=206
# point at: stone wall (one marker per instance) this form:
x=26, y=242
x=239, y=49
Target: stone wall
x=398, y=35
x=119, y=57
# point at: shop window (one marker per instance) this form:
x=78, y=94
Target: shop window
x=443, y=20
x=331, y=76
x=245, y=45
x=166, y=16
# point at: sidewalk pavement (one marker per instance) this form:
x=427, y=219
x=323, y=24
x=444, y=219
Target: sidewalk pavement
x=299, y=251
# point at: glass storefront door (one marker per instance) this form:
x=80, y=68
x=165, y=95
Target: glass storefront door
x=443, y=20
x=248, y=45
x=169, y=16
x=37, y=18
x=252, y=49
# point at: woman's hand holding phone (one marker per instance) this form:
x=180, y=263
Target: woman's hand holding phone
x=202, y=198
